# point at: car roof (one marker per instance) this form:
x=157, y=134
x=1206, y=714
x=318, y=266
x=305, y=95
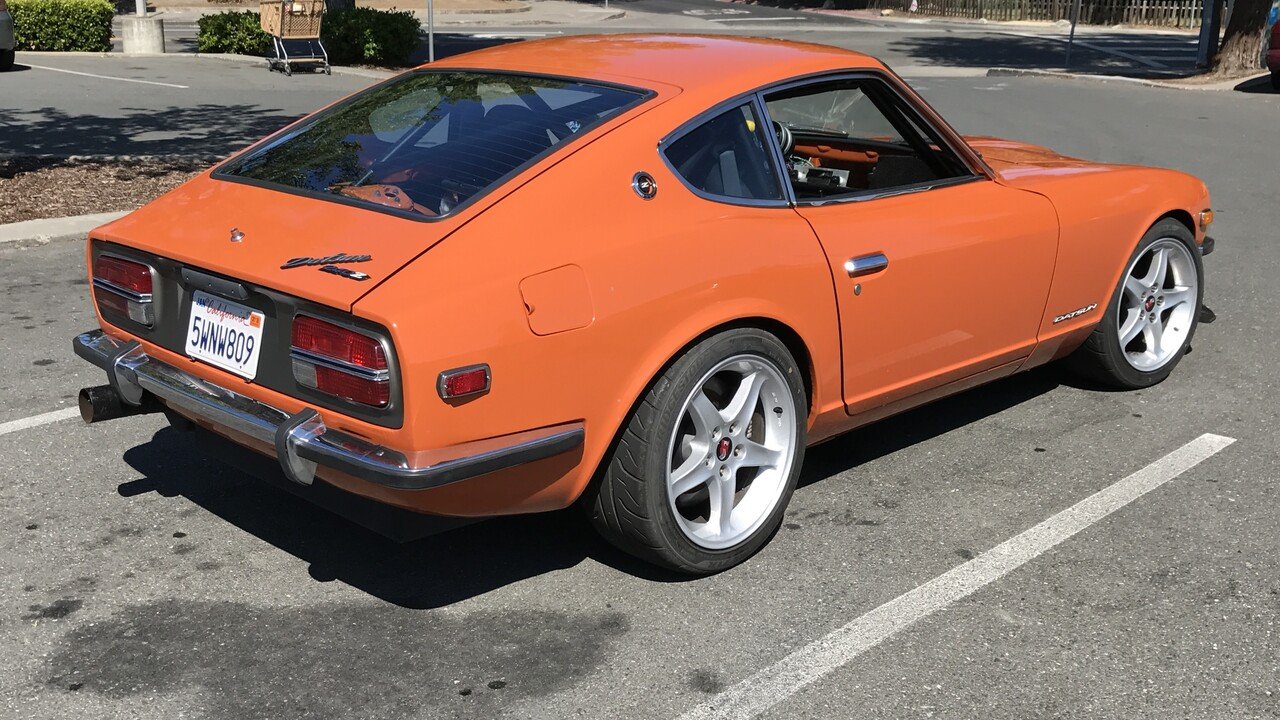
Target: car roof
x=717, y=64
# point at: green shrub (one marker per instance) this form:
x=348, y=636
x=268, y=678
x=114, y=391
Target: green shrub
x=377, y=37
x=236, y=31
x=65, y=25
x=354, y=35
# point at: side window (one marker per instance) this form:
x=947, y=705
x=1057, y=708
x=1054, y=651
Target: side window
x=855, y=136
x=727, y=156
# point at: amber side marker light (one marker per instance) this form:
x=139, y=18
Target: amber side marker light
x=464, y=381
x=1206, y=219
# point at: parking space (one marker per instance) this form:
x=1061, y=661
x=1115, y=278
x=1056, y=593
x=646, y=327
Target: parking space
x=148, y=580
x=76, y=105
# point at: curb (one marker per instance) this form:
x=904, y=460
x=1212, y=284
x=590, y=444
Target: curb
x=1226, y=85
x=55, y=227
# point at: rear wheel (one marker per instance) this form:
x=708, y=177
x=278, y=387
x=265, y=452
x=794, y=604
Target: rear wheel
x=702, y=473
x=6, y=59
x=1275, y=81
x=1152, y=315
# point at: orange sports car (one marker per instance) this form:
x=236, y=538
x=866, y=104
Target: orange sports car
x=637, y=272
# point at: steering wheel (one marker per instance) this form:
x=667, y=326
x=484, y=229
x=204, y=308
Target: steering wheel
x=785, y=139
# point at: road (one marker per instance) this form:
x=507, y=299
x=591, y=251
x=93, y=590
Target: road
x=932, y=41
x=147, y=580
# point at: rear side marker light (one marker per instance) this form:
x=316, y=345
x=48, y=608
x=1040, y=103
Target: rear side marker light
x=125, y=288
x=464, y=381
x=340, y=361
x=1206, y=219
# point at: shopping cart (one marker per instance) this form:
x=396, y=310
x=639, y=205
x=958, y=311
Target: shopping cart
x=294, y=27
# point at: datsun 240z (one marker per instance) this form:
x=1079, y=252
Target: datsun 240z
x=638, y=273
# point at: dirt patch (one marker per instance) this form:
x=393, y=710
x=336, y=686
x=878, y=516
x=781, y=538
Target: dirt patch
x=33, y=188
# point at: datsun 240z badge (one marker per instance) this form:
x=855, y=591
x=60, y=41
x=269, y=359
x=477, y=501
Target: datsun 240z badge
x=330, y=265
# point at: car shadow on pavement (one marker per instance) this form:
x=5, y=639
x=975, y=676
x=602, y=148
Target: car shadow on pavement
x=1261, y=84
x=457, y=563
x=433, y=571
x=924, y=423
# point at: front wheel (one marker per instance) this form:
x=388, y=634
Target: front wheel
x=1152, y=315
x=1275, y=81
x=6, y=59
x=700, y=477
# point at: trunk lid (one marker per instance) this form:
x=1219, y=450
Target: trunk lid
x=194, y=225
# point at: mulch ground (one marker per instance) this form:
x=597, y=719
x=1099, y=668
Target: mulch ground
x=33, y=188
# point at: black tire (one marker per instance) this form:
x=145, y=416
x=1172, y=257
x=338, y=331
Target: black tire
x=629, y=505
x=1101, y=358
x=1275, y=81
x=6, y=59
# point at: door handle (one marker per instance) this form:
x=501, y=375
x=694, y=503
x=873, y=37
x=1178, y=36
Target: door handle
x=866, y=264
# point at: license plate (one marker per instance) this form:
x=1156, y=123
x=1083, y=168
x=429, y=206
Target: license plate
x=225, y=334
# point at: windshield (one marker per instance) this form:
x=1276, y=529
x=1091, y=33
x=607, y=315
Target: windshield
x=428, y=142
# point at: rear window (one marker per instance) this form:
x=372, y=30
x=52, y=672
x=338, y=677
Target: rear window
x=429, y=142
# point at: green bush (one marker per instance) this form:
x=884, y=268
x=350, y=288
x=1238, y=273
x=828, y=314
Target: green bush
x=65, y=25
x=236, y=31
x=355, y=35
x=377, y=37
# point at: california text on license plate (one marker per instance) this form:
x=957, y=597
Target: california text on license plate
x=225, y=334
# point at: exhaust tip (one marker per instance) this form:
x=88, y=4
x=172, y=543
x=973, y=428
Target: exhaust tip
x=103, y=403
x=99, y=403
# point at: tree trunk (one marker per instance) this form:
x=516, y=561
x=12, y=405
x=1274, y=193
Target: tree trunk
x=1241, y=51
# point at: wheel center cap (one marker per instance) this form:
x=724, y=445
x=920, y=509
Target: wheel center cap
x=723, y=448
x=1150, y=303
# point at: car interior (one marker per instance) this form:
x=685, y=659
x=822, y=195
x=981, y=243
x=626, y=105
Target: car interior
x=854, y=136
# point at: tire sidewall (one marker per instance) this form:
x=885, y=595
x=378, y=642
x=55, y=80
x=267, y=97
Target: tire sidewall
x=1131, y=376
x=674, y=388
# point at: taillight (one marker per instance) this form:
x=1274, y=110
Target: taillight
x=340, y=361
x=124, y=287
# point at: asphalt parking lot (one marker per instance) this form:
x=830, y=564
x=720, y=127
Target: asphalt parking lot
x=147, y=580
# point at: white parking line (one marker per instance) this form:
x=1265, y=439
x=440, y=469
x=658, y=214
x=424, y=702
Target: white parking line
x=810, y=663
x=107, y=77
x=37, y=420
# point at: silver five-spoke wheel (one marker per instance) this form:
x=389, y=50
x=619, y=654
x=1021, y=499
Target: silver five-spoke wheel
x=731, y=451
x=1157, y=304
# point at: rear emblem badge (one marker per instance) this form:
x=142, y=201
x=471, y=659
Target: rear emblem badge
x=236, y=235
x=330, y=260
x=349, y=274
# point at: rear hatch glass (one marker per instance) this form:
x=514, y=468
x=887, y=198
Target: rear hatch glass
x=427, y=143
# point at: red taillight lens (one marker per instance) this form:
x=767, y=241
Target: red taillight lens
x=351, y=387
x=340, y=361
x=131, y=276
x=123, y=287
x=338, y=343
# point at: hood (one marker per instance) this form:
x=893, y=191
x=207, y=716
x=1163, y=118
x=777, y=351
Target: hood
x=1024, y=165
x=194, y=224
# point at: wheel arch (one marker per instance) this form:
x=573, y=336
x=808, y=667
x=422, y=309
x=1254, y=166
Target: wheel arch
x=796, y=345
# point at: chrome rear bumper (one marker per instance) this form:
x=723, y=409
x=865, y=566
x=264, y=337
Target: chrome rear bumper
x=301, y=440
